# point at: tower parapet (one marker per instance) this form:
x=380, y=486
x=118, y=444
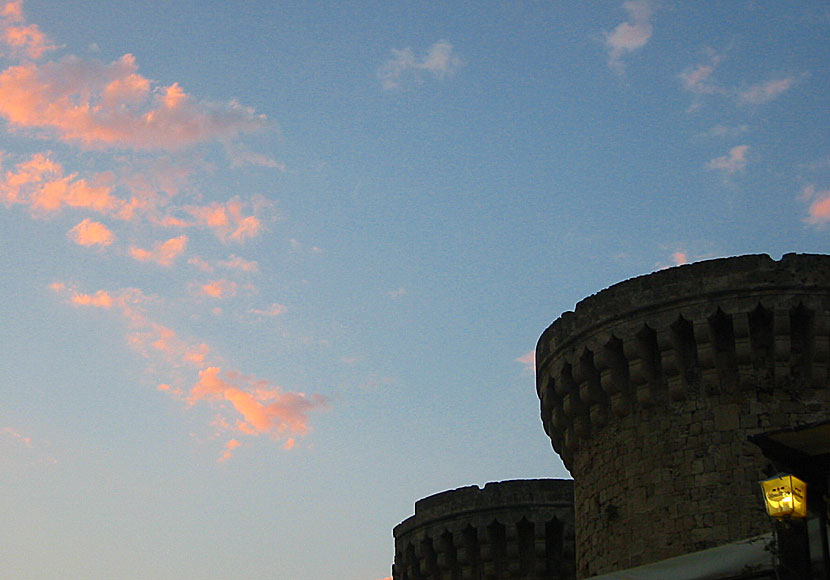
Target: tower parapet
x=510, y=530
x=649, y=389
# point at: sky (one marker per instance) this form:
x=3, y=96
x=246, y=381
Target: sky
x=271, y=272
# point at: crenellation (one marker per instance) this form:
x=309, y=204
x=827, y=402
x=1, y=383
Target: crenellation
x=712, y=352
x=512, y=530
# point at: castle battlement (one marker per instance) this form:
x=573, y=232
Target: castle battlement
x=650, y=388
x=520, y=529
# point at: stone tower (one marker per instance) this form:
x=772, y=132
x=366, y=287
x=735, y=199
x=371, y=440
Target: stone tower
x=511, y=530
x=650, y=388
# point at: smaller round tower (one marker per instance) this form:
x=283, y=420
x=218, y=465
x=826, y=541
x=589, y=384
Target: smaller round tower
x=511, y=530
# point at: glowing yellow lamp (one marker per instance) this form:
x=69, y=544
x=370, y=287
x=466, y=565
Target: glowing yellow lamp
x=785, y=496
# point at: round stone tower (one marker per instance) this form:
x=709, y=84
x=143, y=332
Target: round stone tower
x=511, y=530
x=650, y=388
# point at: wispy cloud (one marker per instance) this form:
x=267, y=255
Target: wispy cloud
x=237, y=263
x=818, y=210
x=398, y=293
x=766, y=91
x=529, y=361
x=440, y=61
x=22, y=444
x=732, y=162
x=719, y=131
x=274, y=310
x=698, y=80
x=233, y=262
x=298, y=246
x=248, y=406
x=163, y=253
x=201, y=264
x=218, y=289
x=229, y=447
x=240, y=156
x=11, y=432
x=678, y=258
x=631, y=35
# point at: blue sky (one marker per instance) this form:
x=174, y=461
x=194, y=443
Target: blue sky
x=271, y=273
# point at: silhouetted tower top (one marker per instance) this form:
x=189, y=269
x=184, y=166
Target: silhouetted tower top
x=510, y=530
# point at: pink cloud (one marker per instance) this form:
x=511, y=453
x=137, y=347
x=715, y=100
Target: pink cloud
x=218, y=289
x=154, y=340
x=111, y=105
x=679, y=258
x=732, y=162
x=146, y=336
x=263, y=410
x=100, y=299
x=631, y=35
x=163, y=253
x=247, y=227
x=229, y=447
x=200, y=263
x=34, y=452
x=90, y=233
x=41, y=184
x=196, y=355
x=23, y=39
x=127, y=299
x=819, y=208
x=237, y=263
x=528, y=360
x=765, y=92
x=227, y=220
x=27, y=441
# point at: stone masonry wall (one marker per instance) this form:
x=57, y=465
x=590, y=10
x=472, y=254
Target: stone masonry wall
x=511, y=530
x=650, y=389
